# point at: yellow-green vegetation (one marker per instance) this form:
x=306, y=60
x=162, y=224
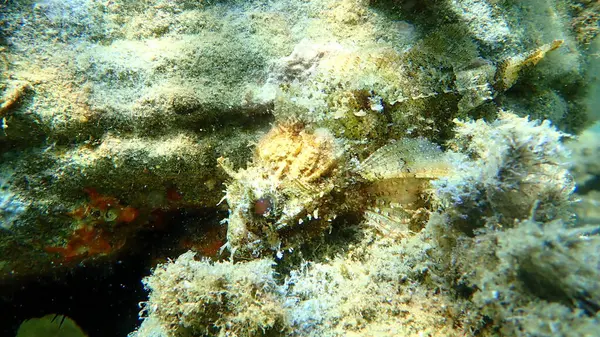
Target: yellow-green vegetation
x=50, y=325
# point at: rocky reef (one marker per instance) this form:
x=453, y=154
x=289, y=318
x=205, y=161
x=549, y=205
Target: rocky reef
x=498, y=253
x=367, y=167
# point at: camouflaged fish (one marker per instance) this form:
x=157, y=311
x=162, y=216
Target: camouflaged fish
x=300, y=180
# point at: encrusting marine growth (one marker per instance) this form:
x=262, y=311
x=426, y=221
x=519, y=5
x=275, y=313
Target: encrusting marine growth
x=474, y=277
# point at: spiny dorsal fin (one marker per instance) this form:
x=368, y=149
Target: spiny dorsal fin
x=406, y=158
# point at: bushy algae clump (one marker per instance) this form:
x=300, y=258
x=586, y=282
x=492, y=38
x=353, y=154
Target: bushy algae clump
x=206, y=298
x=516, y=169
x=507, y=233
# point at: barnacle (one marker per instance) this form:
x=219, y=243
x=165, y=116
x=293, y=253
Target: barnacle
x=301, y=179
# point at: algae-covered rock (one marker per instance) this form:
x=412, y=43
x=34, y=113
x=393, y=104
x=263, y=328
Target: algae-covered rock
x=378, y=289
x=524, y=256
x=516, y=169
x=192, y=297
x=388, y=119
x=539, y=268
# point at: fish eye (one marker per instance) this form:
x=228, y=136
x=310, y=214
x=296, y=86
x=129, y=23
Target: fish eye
x=263, y=206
